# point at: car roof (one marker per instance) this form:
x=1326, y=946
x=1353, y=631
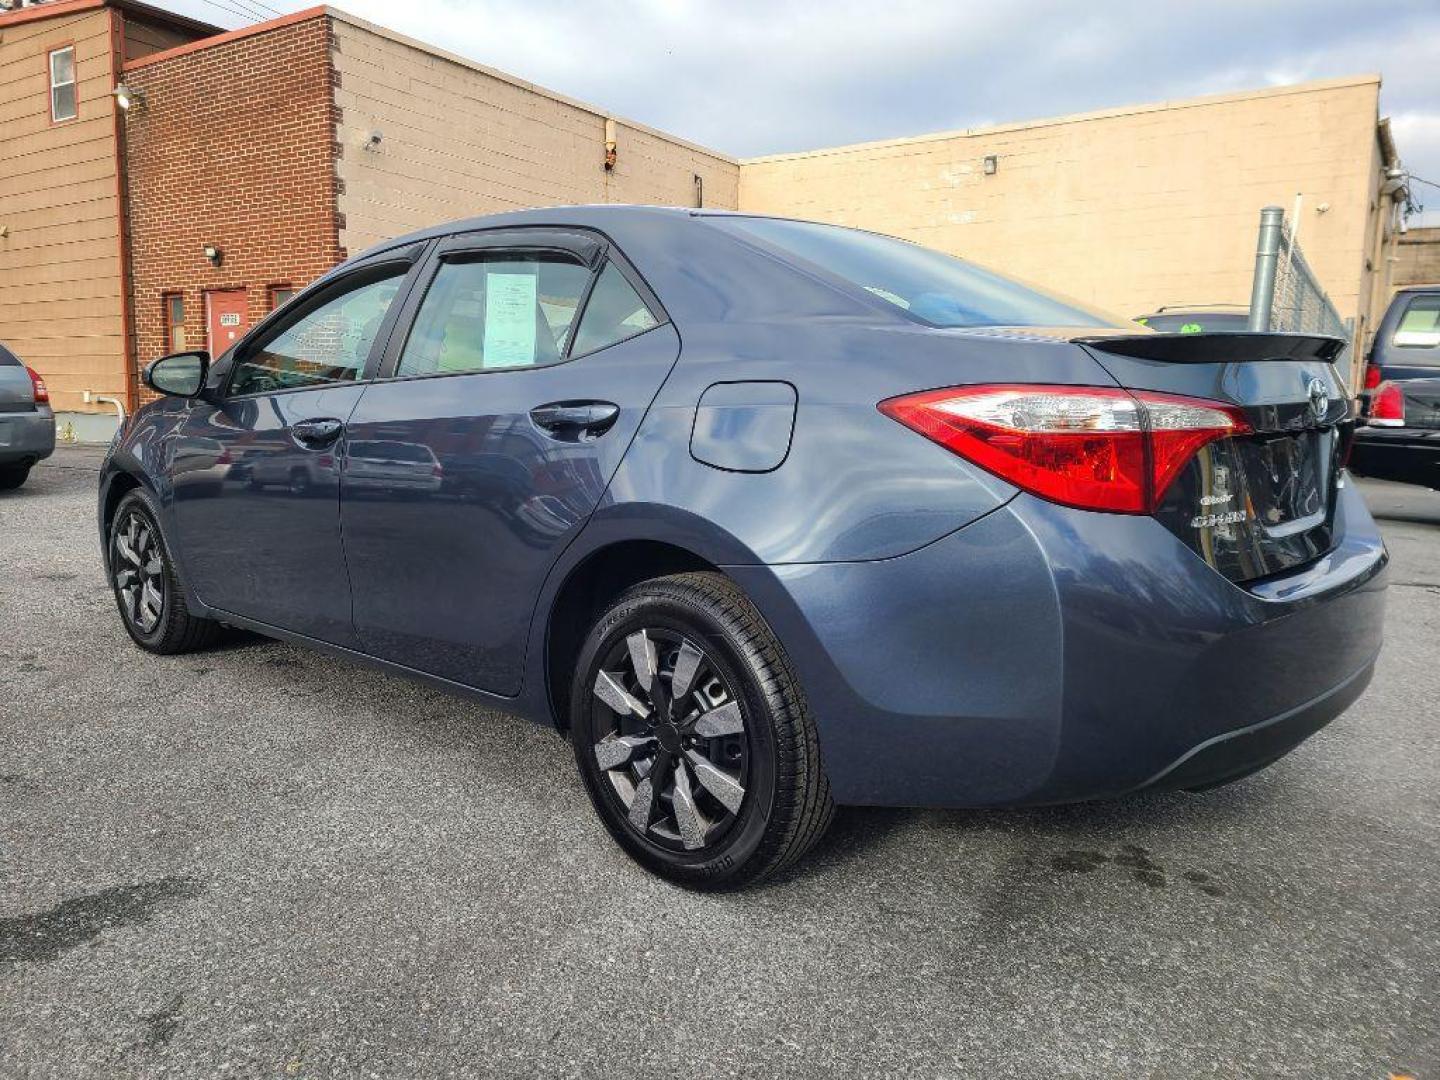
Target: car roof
x=595, y=216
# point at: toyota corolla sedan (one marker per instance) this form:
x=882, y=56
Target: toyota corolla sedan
x=768, y=516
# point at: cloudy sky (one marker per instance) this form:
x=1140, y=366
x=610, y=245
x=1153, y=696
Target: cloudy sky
x=754, y=77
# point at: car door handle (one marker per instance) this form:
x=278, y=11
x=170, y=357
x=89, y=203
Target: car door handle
x=316, y=434
x=572, y=420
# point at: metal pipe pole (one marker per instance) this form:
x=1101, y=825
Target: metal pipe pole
x=1267, y=254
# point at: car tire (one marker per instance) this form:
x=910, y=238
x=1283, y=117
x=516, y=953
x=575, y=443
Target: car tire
x=13, y=476
x=146, y=582
x=742, y=790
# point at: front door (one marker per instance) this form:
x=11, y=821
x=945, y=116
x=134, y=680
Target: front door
x=257, y=478
x=506, y=411
x=227, y=315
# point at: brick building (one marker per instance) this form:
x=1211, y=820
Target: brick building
x=249, y=162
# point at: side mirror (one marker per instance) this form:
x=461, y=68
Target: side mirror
x=179, y=374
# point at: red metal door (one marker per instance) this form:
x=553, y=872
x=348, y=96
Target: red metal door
x=227, y=318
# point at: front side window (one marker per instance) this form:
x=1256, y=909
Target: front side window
x=62, y=84
x=174, y=322
x=509, y=311
x=324, y=344
x=1420, y=324
x=936, y=288
x=614, y=312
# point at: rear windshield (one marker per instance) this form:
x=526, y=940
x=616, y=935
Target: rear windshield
x=8, y=358
x=935, y=288
x=1196, y=322
x=1419, y=329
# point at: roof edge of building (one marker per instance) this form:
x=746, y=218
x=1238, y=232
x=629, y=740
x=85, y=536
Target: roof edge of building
x=515, y=80
x=135, y=7
x=1074, y=118
x=225, y=37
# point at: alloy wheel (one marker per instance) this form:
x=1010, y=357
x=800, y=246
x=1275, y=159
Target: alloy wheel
x=139, y=569
x=674, y=746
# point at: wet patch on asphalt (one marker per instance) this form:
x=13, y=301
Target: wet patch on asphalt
x=44, y=936
x=1138, y=861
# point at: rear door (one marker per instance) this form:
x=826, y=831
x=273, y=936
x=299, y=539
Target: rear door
x=1263, y=502
x=530, y=358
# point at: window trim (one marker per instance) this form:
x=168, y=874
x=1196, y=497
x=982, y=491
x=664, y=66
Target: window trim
x=52, y=85
x=279, y=287
x=167, y=298
x=311, y=300
x=477, y=245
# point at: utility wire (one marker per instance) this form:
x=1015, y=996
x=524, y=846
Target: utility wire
x=255, y=12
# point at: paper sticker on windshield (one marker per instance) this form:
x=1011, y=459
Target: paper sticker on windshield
x=509, y=319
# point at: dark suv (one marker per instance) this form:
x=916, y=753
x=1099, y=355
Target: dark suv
x=1400, y=437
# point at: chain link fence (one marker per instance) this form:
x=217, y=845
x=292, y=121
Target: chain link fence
x=1287, y=297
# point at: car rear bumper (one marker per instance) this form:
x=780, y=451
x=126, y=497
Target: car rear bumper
x=1408, y=455
x=1043, y=654
x=26, y=437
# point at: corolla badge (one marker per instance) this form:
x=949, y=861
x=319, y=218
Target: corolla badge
x=1319, y=398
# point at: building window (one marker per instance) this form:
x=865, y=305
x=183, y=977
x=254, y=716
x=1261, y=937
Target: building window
x=280, y=296
x=62, y=84
x=175, y=322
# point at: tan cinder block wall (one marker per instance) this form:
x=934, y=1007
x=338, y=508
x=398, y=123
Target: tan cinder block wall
x=60, y=307
x=459, y=140
x=1128, y=209
x=1417, y=258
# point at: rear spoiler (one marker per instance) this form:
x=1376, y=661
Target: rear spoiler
x=1217, y=348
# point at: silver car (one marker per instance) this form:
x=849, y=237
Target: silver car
x=27, y=423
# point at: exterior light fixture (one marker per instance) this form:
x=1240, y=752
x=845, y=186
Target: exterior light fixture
x=610, y=145
x=991, y=165
x=127, y=98
x=213, y=255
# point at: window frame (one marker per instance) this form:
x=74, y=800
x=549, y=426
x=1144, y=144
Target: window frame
x=272, y=291
x=401, y=265
x=591, y=248
x=52, y=85
x=167, y=300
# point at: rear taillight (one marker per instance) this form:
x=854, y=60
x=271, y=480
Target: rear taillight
x=1387, y=406
x=1097, y=448
x=42, y=395
x=1372, y=376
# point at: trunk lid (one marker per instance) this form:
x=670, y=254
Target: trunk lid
x=1263, y=503
x=1422, y=402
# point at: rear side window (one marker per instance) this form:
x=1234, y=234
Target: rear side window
x=1419, y=328
x=934, y=288
x=615, y=312
x=489, y=314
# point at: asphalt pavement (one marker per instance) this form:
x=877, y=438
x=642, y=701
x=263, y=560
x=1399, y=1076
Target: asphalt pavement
x=263, y=862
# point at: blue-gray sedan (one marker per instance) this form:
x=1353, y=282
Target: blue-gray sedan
x=768, y=516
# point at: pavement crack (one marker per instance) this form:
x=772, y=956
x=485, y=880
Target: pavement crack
x=42, y=937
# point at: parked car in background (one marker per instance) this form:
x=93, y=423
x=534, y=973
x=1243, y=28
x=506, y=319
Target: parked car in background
x=1399, y=438
x=1201, y=319
x=795, y=515
x=27, y=423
